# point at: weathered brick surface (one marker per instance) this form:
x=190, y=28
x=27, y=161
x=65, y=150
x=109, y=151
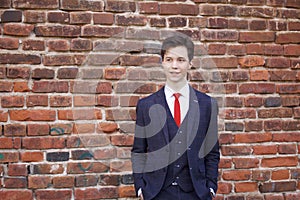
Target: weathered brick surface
x=71, y=73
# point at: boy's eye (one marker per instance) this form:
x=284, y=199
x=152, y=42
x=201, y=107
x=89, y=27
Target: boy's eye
x=168, y=59
x=181, y=60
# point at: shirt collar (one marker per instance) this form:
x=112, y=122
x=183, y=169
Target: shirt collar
x=184, y=91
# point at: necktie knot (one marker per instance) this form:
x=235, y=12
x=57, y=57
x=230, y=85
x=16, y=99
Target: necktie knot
x=176, y=95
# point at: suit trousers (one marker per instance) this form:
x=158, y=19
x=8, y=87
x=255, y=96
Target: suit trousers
x=174, y=192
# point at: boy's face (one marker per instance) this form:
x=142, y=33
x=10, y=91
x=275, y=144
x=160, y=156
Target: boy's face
x=176, y=64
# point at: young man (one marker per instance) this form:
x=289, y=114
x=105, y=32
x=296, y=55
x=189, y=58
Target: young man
x=175, y=154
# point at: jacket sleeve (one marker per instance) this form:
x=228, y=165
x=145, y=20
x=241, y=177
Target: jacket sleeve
x=139, y=149
x=212, y=157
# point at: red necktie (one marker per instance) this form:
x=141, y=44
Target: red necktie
x=177, y=109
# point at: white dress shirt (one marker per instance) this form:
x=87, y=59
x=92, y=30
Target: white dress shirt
x=184, y=99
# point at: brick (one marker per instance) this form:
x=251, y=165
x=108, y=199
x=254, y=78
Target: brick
x=253, y=126
x=86, y=180
x=294, y=25
x=14, y=130
x=253, y=138
x=245, y=163
x=85, y=100
x=107, y=153
x=234, y=126
x=53, y=194
x=120, y=6
x=58, y=45
x=258, y=25
x=87, y=167
x=224, y=188
x=290, y=100
x=127, y=191
x=148, y=7
x=107, y=101
x=275, y=113
x=275, y=25
x=10, y=157
x=9, y=43
x=39, y=182
x=32, y=16
x=253, y=101
x=219, y=35
x=239, y=113
x=51, y=4
x=274, y=125
x=17, y=170
x=178, y=9
x=129, y=20
x=273, y=50
x=277, y=186
x=235, y=150
x=29, y=156
x=7, y=58
x=136, y=87
x=47, y=169
x=105, y=32
x=245, y=187
x=58, y=17
x=103, y=18
x=259, y=75
x=17, y=29
x=81, y=45
x=80, y=18
x=6, y=86
x=292, y=50
x=293, y=4
x=82, y=5
x=120, y=115
x=33, y=45
x=80, y=114
x=278, y=3
x=111, y=179
x=43, y=143
x=81, y=128
x=59, y=60
x=124, y=166
x=57, y=156
x=102, y=193
x=261, y=175
x=50, y=86
x=287, y=149
x=12, y=101
x=43, y=73
x=272, y=102
x=57, y=30
x=3, y=116
x=226, y=139
x=15, y=182
x=5, y=4
x=21, y=86
x=158, y=22
x=17, y=72
x=38, y=129
x=206, y=9
x=255, y=49
x=114, y=73
x=37, y=100
x=220, y=62
x=124, y=152
x=122, y=140
x=278, y=62
x=283, y=75
x=226, y=10
x=217, y=22
x=288, y=88
x=279, y=162
x=132, y=33
x=177, y=22
x=91, y=73
x=32, y=115
x=291, y=125
x=236, y=175
x=16, y=194
x=259, y=88
x=233, y=101
x=137, y=74
x=216, y=49
x=63, y=182
x=67, y=73
x=239, y=76
x=107, y=127
x=256, y=36
x=286, y=38
x=2, y=72
x=237, y=24
x=7, y=143
x=237, y=50
x=61, y=129
x=251, y=61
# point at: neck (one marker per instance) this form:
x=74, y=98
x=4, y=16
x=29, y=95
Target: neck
x=176, y=86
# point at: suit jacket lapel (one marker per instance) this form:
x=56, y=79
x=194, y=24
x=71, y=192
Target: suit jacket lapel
x=161, y=99
x=193, y=117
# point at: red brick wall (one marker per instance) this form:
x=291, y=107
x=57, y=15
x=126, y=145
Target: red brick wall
x=71, y=73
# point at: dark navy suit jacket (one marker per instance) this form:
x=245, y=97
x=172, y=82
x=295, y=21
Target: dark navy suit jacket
x=151, y=149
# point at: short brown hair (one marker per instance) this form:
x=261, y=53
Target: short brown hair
x=175, y=41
